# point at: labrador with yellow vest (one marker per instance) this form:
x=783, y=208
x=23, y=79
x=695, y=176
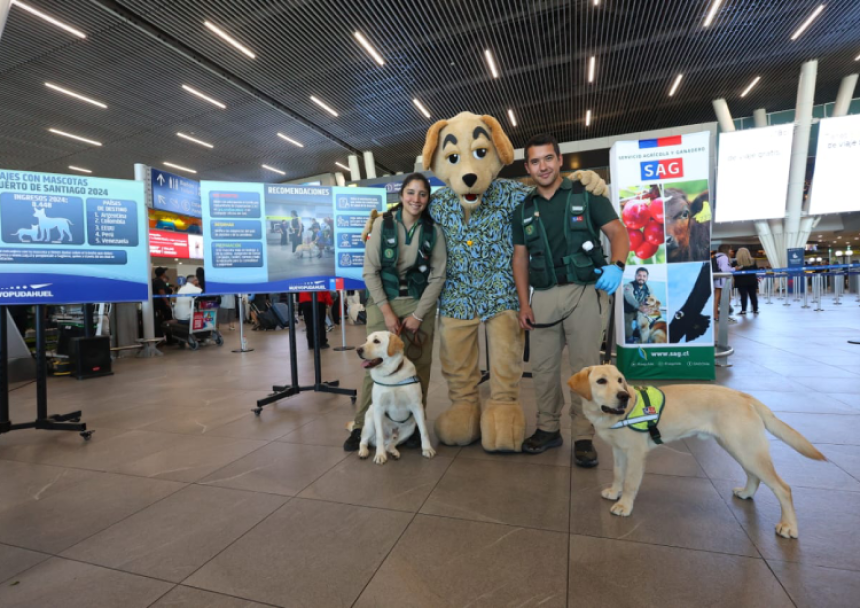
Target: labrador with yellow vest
x=736, y=420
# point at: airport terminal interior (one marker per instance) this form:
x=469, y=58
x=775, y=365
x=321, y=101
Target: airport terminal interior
x=177, y=178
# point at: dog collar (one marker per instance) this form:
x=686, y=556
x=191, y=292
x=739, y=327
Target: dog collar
x=398, y=421
x=409, y=380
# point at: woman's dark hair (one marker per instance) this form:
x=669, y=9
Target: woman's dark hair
x=201, y=278
x=414, y=177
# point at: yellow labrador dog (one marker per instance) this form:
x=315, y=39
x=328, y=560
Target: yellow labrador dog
x=396, y=408
x=736, y=420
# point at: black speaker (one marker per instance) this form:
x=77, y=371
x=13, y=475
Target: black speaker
x=92, y=357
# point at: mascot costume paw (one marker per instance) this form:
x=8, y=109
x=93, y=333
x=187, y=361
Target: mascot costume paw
x=467, y=152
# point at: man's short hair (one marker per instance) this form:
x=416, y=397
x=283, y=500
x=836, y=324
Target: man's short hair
x=643, y=269
x=191, y=277
x=160, y=271
x=542, y=139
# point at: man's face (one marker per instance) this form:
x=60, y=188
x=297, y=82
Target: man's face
x=641, y=278
x=543, y=164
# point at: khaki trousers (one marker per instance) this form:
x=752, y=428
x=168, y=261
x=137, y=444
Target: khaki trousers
x=582, y=331
x=402, y=307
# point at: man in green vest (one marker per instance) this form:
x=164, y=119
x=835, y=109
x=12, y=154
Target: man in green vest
x=557, y=253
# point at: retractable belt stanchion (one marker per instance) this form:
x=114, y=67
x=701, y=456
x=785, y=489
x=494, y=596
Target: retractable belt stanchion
x=838, y=286
x=805, y=291
x=282, y=392
x=243, y=348
x=57, y=422
x=768, y=288
x=343, y=345
x=816, y=282
x=787, y=296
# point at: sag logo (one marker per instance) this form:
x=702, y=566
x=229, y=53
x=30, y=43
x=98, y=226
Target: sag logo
x=389, y=253
x=530, y=229
x=662, y=169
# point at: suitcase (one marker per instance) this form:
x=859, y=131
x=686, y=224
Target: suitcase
x=282, y=314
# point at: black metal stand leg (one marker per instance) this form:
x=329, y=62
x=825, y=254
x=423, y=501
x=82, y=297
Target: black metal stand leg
x=57, y=422
x=282, y=392
x=610, y=334
x=5, y=423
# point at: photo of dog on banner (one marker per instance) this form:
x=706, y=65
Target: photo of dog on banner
x=535, y=263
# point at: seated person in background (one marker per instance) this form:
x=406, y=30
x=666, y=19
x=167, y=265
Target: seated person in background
x=183, y=307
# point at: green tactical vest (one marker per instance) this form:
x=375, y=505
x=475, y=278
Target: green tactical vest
x=418, y=274
x=577, y=266
x=646, y=414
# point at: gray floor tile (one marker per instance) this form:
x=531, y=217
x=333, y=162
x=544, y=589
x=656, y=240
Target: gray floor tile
x=804, y=402
x=60, y=582
x=186, y=597
x=402, y=484
x=309, y=553
x=619, y=574
x=191, y=459
x=796, y=470
x=846, y=457
x=675, y=511
x=668, y=459
x=329, y=429
x=814, y=587
x=43, y=447
x=274, y=421
x=828, y=521
x=23, y=482
x=448, y=562
x=832, y=385
x=517, y=494
x=14, y=561
x=173, y=538
x=558, y=457
x=278, y=468
x=823, y=372
x=829, y=428
x=66, y=517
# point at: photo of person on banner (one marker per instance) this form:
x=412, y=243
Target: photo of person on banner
x=644, y=295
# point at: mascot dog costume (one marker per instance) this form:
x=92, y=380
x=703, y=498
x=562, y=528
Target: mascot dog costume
x=474, y=211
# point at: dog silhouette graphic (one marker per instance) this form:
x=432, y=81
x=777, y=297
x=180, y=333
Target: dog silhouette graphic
x=47, y=225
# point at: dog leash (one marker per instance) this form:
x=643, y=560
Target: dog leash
x=417, y=340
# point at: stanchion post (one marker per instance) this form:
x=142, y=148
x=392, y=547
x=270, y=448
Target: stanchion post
x=805, y=291
x=787, y=296
x=242, y=345
x=838, y=283
x=343, y=345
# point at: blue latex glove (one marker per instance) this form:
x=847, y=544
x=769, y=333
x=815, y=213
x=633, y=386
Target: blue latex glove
x=610, y=278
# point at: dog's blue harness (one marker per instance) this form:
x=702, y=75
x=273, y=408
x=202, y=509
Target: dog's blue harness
x=409, y=380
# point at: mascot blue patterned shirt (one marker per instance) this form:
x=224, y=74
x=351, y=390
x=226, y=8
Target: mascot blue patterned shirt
x=479, y=279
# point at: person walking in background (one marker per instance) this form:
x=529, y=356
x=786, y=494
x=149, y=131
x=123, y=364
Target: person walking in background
x=307, y=307
x=227, y=311
x=720, y=263
x=296, y=229
x=747, y=284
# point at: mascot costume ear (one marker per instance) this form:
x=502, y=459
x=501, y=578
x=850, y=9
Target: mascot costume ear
x=500, y=140
x=430, y=143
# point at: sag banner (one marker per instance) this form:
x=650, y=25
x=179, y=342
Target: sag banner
x=664, y=314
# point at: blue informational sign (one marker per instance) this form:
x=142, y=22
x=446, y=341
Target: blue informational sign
x=67, y=239
x=351, y=210
x=175, y=194
x=795, y=260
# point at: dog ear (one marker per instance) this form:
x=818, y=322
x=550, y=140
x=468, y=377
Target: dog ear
x=500, y=140
x=580, y=384
x=395, y=345
x=430, y=143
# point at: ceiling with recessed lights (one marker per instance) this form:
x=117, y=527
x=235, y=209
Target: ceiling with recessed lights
x=297, y=68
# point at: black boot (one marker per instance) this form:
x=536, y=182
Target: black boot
x=352, y=442
x=584, y=454
x=541, y=441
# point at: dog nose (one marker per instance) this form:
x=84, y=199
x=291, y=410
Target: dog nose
x=470, y=179
x=359, y=350
x=622, y=396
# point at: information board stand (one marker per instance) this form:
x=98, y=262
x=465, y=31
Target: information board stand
x=57, y=422
x=282, y=392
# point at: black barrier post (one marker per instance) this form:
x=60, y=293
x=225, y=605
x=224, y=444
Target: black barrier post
x=57, y=422
x=5, y=423
x=606, y=359
x=282, y=392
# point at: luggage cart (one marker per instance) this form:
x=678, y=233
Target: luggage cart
x=201, y=327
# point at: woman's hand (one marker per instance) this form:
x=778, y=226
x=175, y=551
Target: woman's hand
x=411, y=324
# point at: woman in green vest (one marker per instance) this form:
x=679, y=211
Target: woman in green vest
x=404, y=270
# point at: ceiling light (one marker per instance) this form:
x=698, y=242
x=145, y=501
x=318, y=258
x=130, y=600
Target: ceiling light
x=275, y=170
x=713, y=12
x=588, y=118
x=50, y=19
x=202, y=96
x=323, y=106
x=180, y=167
x=751, y=85
x=807, y=23
x=596, y=2
x=491, y=62
x=75, y=95
x=421, y=107
x=513, y=119
x=81, y=169
x=838, y=238
x=78, y=137
x=675, y=84
x=292, y=141
x=857, y=58
x=196, y=141
x=591, y=69
x=373, y=52
x=232, y=41
x=342, y=166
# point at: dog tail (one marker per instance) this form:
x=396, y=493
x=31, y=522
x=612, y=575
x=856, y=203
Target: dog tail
x=784, y=432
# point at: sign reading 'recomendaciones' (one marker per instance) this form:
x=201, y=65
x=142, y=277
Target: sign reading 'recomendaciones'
x=68, y=239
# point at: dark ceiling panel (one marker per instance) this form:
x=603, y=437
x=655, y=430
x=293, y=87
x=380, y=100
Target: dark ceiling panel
x=433, y=51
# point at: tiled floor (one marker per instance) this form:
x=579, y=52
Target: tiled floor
x=184, y=498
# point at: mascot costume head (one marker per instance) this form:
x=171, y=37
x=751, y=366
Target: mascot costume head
x=467, y=152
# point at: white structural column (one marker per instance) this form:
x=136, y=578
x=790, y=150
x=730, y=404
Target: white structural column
x=5, y=5
x=843, y=97
x=354, y=170
x=369, y=165
x=141, y=174
x=760, y=118
x=339, y=179
x=799, y=154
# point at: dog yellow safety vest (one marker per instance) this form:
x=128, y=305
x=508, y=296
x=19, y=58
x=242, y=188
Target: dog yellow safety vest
x=645, y=415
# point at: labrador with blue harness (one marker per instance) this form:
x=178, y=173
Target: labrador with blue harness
x=397, y=406
x=636, y=420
